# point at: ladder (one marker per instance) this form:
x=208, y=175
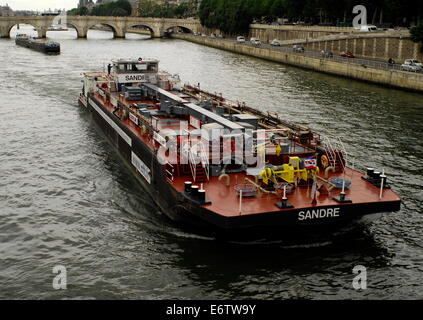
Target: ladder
x=200, y=170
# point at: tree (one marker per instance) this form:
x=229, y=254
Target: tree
x=277, y=9
x=119, y=12
x=417, y=34
x=147, y=8
x=83, y=11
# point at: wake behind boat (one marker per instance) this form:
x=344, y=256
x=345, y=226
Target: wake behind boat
x=218, y=164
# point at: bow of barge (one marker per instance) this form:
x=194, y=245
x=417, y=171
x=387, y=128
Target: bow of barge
x=221, y=165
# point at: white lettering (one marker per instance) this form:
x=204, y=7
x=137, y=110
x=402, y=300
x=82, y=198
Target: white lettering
x=319, y=213
x=141, y=167
x=336, y=212
x=125, y=78
x=175, y=310
x=308, y=215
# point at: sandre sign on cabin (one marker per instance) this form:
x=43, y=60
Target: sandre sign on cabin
x=129, y=78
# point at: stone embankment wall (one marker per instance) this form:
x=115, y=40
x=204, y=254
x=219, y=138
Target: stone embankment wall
x=392, y=78
x=267, y=33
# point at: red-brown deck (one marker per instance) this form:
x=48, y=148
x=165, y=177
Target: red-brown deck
x=226, y=202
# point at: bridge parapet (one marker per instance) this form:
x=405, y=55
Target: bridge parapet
x=119, y=25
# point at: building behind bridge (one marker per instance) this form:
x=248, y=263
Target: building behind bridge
x=6, y=11
x=89, y=4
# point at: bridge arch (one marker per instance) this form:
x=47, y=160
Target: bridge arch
x=182, y=28
x=11, y=26
x=79, y=31
x=137, y=25
x=117, y=32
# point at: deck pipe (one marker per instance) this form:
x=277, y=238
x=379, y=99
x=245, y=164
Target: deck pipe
x=188, y=185
x=201, y=196
x=383, y=178
x=194, y=192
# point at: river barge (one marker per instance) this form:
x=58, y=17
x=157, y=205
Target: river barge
x=38, y=44
x=220, y=165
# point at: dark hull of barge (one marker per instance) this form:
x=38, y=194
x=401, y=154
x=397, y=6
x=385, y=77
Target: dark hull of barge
x=38, y=46
x=189, y=214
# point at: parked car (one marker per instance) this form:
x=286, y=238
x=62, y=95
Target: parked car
x=275, y=43
x=326, y=54
x=298, y=48
x=413, y=61
x=347, y=54
x=369, y=28
x=240, y=39
x=411, y=67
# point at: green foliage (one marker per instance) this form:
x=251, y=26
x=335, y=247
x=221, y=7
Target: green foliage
x=234, y=16
x=229, y=16
x=83, y=11
x=417, y=34
x=118, y=8
x=149, y=8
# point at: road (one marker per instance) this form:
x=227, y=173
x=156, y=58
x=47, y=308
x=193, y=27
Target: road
x=310, y=53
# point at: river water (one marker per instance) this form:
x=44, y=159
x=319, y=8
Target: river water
x=65, y=198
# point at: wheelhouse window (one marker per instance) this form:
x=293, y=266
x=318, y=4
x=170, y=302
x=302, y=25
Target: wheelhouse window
x=139, y=67
x=152, y=67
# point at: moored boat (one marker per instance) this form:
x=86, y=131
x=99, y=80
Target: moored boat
x=225, y=167
x=38, y=44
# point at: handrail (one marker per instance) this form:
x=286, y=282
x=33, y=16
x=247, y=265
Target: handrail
x=204, y=160
x=192, y=165
x=345, y=154
x=329, y=151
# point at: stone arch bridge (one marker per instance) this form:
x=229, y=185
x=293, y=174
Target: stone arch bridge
x=120, y=25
